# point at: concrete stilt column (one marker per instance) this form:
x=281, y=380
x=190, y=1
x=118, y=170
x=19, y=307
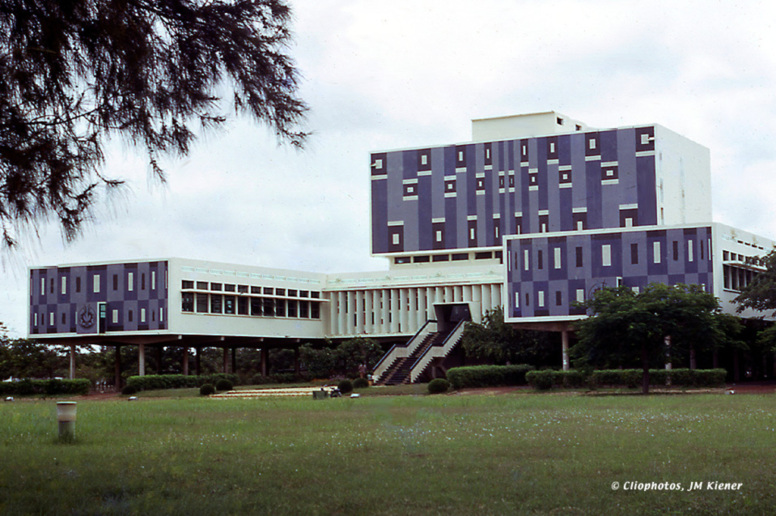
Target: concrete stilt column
x=403, y=300
x=386, y=306
x=117, y=368
x=564, y=337
x=141, y=359
x=333, y=313
x=495, y=295
x=185, y=365
x=350, y=324
x=72, y=361
x=296, y=360
x=198, y=361
x=477, y=301
x=430, y=292
x=264, y=360
x=394, y=311
x=369, y=311
x=341, y=313
x=360, y=311
x=234, y=360
x=486, y=299
x=467, y=293
x=420, y=315
x=667, y=342
x=225, y=361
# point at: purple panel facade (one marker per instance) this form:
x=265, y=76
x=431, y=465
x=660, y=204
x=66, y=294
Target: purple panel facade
x=131, y=296
x=563, y=269
x=592, y=174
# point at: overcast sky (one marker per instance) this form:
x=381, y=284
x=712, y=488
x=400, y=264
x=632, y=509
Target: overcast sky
x=384, y=75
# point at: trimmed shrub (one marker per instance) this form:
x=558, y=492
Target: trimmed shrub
x=224, y=385
x=129, y=390
x=207, y=389
x=345, y=386
x=360, y=383
x=631, y=378
x=177, y=381
x=24, y=387
x=438, y=386
x=488, y=376
x=541, y=380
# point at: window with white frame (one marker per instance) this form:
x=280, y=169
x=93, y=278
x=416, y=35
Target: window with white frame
x=557, y=260
x=96, y=283
x=540, y=298
x=115, y=316
x=606, y=255
x=130, y=281
x=689, y=251
x=656, y=252
x=64, y=284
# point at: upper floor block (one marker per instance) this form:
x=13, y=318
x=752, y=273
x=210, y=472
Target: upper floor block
x=469, y=195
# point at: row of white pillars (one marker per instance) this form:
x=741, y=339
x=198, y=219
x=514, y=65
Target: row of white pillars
x=401, y=310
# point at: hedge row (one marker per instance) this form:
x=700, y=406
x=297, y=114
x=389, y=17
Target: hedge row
x=45, y=387
x=176, y=381
x=680, y=377
x=488, y=375
x=627, y=378
x=547, y=379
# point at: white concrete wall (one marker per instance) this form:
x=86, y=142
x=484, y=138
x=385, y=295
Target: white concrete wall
x=523, y=126
x=683, y=179
x=192, y=323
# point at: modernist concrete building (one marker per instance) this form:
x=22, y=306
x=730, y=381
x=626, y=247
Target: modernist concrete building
x=533, y=214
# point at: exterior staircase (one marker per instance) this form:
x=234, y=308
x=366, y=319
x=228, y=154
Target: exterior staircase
x=399, y=372
x=406, y=363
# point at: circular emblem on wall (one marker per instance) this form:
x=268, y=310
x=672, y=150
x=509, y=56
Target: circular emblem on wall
x=86, y=317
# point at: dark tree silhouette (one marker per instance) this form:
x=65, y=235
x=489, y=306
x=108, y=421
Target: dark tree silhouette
x=74, y=73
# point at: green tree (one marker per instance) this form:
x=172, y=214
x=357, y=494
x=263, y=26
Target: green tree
x=152, y=72
x=625, y=327
x=24, y=358
x=351, y=353
x=496, y=341
x=320, y=362
x=760, y=293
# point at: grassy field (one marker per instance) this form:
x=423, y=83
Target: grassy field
x=458, y=454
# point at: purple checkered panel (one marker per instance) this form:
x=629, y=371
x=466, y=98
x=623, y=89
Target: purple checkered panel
x=95, y=299
x=547, y=275
x=466, y=196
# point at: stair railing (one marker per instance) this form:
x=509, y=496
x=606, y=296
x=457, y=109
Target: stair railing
x=403, y=351
x=433, y=352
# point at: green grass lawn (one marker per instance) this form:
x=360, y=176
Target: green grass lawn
x=470, y=454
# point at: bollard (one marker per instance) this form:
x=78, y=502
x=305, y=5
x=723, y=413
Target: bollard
x=66, y=411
